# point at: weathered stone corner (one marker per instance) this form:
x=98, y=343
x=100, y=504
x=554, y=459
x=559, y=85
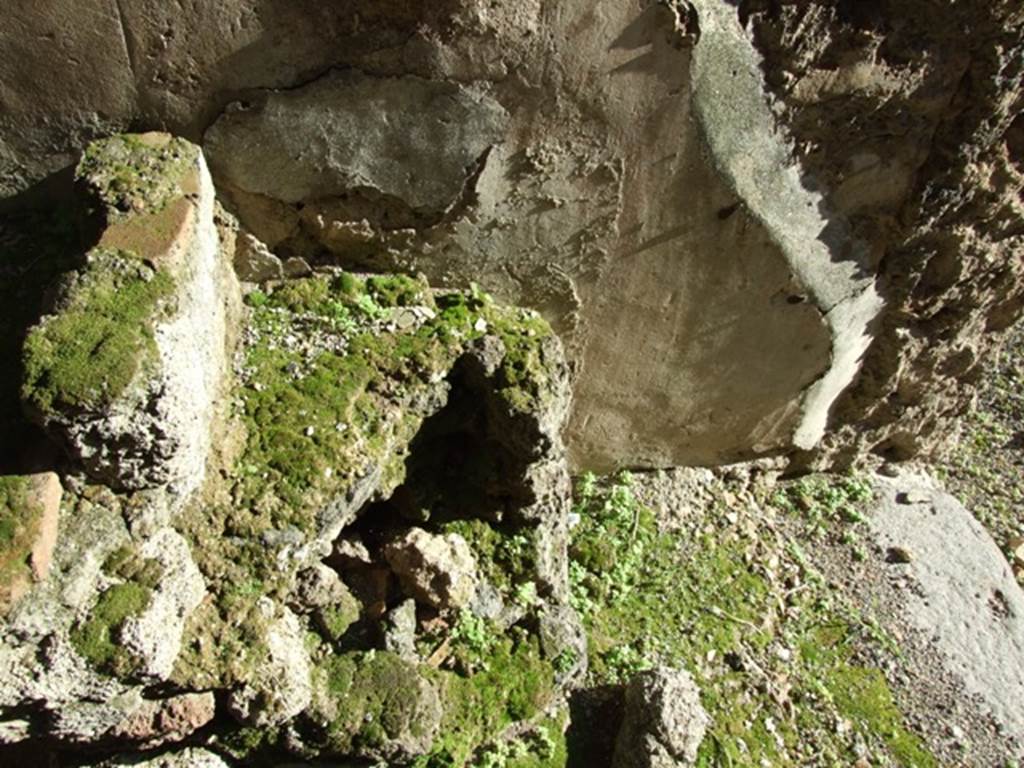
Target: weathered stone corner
x=125, y=367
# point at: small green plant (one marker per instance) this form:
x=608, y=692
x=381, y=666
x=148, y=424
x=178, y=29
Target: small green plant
x=825, y=499
x=623, y=662
x=256, y=298
x=501, y=754
x=473, y=632
x=366, y=304
x=609, y=542
x=526, y=594
x=565, y=661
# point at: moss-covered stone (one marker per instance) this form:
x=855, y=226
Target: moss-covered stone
x=383, y=706
x=96, y=638
x=511, y=682
x=505, y=555
x=399, y=291
x=132, y=173
x=19, y=525
x=87, y=355
x=334, y=620
x=318, y=419
x=35, y=248
x=224, y=643
x=338, y=373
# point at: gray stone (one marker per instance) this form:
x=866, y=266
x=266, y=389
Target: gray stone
x=564, y=639
x=407, y=138
x=296, y=267
x=317, y=586
x=193, y=757
x=664, y=722
x=163, y=721
x=254, y=262
x=43, y=128
x=349, y=552
x=154, y=636
x=281, y=687
x=828, y=260
x=487, y=602
x=400, y=630
x=965, y=597
x=156, y=432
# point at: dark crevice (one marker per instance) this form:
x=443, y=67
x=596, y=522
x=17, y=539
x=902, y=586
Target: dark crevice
x=463, y=465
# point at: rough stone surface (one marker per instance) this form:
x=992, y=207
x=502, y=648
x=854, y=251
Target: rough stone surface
x=438, y=570
x=317, y=586
x=563, y=636
x=678, y=309
x=282, y=687
x=906, y=115
x=162, y=721
x=192, y=757
x=31, y=522
x=43, y=129
x=664, y=722
x=46, y=493
x=154, y=636
x=254, y=262
x=964, y=597
x=157, y=430
x=400, y=630
x=406, y=138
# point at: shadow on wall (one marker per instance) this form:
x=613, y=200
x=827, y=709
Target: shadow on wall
x=37, y=245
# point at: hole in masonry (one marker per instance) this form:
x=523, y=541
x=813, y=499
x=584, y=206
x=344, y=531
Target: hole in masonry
x=457, y=515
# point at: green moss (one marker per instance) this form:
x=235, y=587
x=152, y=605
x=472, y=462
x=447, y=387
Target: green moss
x=97, y=637
x=249, y=746
x=87, y=354
x=334, y=620
x=511, y=682
x=701, y=600
x=380, y=697
x=399, y=291
x=525, y=379
x=19, y=525
x=505, y=555
x=129, y=173
x=224, y=642
x=316, y=424
x=127, y=564
x=862, y=695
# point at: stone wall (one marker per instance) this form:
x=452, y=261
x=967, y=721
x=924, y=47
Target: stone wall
x=730, y=212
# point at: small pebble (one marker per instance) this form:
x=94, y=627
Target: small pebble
x=898, y=555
